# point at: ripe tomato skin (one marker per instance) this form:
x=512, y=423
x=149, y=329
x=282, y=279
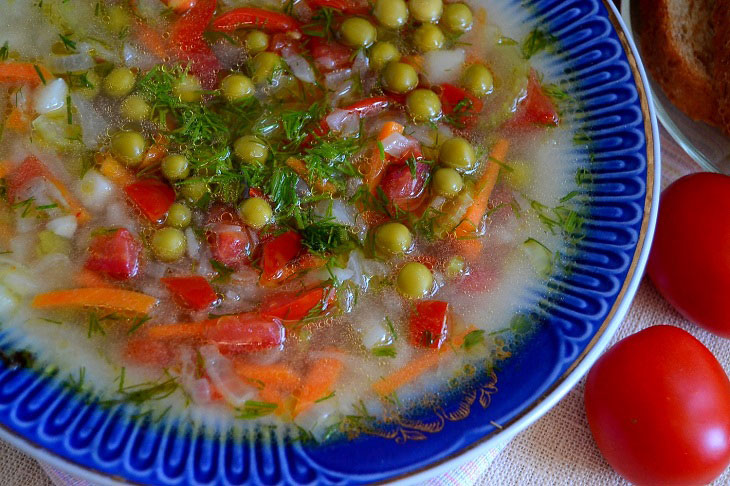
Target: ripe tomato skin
x=658, y=404
x=689, y=261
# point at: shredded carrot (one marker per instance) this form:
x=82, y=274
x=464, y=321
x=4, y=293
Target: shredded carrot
x=23, y=72
x=298, y=166
x=305, y=262
x=417, y=367
x=5, y=168
x=272, y=376
x=107, y=298
x=482, y=191
x=182, y=330
x=373, y=168
x=470, y=248
x=89, y=278
x=155, y=153
x=114, y=171
x=17, y=121
x=389, y=128
x=320, y=379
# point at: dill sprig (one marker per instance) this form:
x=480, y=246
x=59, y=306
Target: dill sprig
x=538, y=40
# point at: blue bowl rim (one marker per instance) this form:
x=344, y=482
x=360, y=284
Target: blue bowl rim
x=564, y=383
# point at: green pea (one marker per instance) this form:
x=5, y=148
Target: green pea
x=265, y=67
x=187, y=88
x=427, y=11
x=455, y=267
x=457, y=153
x=256, y=41
x=399, y=77
x=358, y=32
x=414, y=280
x=428, y=37
x=175, y=167
x=90, y=86
x=168, y=244
x=237, y=87
x=478, y=79
x=457, y=17
x=178, y=216
x=194, y=190
x=135, y=108
x=447, y=182
x=129, y=147
x=251, y=149
x=393, y=238
x=118, y=18
x=392, y=14
x=423, y=105
x=382, y=53
x=119, y=82
x=256, y=212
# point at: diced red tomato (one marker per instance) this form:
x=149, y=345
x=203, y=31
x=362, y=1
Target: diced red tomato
x=180, y=6
x=245, y=332
x=402, y=188
x=283, y=41
x=279, y=251
x=231, y=244
x=187, y=38
x=246, y=17
x=369, y=106
x=329, y=56
x=295, y=306
x=460, y=104
x=428, y=323
x=192, y=292
x=536, y=109
x=151, y=196
x=149, y=352
x=115, y=254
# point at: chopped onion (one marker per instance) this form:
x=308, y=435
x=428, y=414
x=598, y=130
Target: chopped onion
x=8, y=302
x=221, y=373
x=228, y=54
x=80, y=61
x=360, y=63
x=300, y=67
x=64, y=226
x=442, y=66
x=340, y=120
x=95, y=189
x=135, y=57
x=334, y=79
x=193, y=247
x=424, y=134
x=337, y=210
x=93, y=125
x=51, y=97
x=198, y=388
x=397, y=144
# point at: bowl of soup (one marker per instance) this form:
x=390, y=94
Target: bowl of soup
x=318, y=241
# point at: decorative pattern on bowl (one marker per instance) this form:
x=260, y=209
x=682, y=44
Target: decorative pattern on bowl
x=38, y=414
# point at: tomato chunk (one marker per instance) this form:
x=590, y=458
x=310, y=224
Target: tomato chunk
x=403, y=188
x=246, y=332
x=278, y=252
x=152, y=197
x=115, y=254
x=231, y=245
x=187, y=38
x=460, y=105
x=428, y=323
x=330, y=56
x=149, y=352
x=260, y=18
x=192, y=292
x=536, y=109
x=295, y=306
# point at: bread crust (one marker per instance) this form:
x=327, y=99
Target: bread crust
x=691, y=91
x=721, y=68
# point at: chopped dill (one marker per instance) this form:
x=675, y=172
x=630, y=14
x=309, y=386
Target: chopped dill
x=254, y=409
x=67, y=42
x=472, y=339
x=40, y=73
x=538, y=40
x=224, y=272
x=137, y=323
x=4, y=51
x=326, y=397
x=325, y=236
x=144, y=392
x=384, y=351
x=94, y=326
x=77, y=385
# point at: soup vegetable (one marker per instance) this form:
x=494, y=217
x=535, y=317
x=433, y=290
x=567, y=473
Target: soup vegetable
x=283, y=212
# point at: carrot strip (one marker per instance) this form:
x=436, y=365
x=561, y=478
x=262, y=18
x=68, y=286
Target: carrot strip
x=318, y=383
x=183, y=330
x=373, y=168
x=89, y=278
x=298, y=166
x=115, y=299
x=5, y=168
x=277, y=375
x=116, y=172
x=23, y=72
x=17, y=121
x=389, y=128
x=417, y=367
x=482, y=191
x=470, y=248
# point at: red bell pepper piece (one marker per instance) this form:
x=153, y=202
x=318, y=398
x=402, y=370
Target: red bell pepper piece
x=115, y=254
x=460, y=104
x=536, y=109
x=329, y=56
x=277, y=253
x=245, y=332
x=428, y=323
x=191, y=292
x=152, y=197
x=295, y=306
x=260, y=18
x=187, y=37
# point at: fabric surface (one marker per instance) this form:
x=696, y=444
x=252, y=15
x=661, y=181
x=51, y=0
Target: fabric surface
x=557, y=450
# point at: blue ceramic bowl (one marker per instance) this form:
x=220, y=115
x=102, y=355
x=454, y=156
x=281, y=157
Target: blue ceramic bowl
x=577, y=320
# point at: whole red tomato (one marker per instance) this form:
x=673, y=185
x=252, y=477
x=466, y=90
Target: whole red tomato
x=690, y=258
x=658, y=404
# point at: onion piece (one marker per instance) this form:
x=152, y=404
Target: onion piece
x=51, y=96
x=198, y=388
x=442, y=66
x=93, y=125
x=135, y=57
x=334, y=79
x=340, y=120
x=337, y=210
x=80, y=61
x=300, y=67
x=221, y=373
x=397, y=144
x=64, y=226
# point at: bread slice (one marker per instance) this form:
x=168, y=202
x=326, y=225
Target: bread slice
x=721, y=67
x=677, y=44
